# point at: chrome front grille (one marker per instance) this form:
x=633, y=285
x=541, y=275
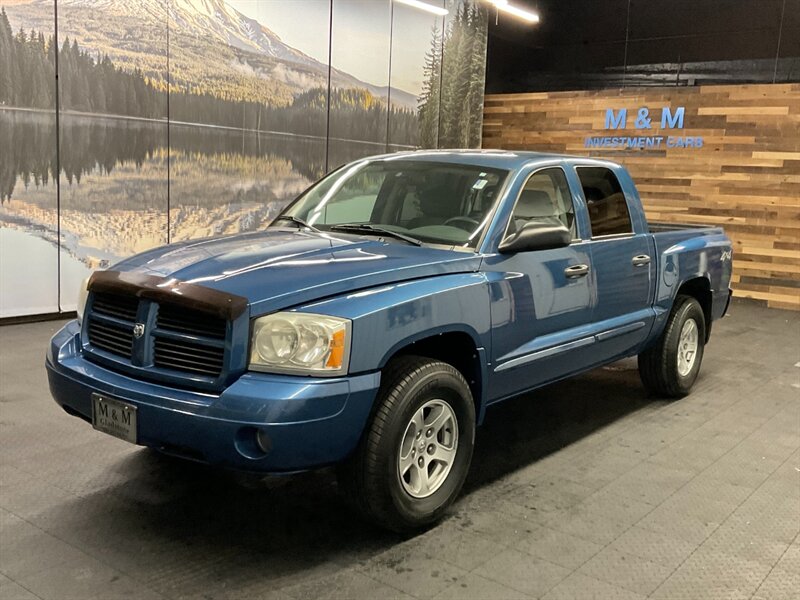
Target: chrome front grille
x=111, y=338
x=189, y=357
x=172, y=338
x=113, y=305
x=189, y=341
x=177, y=318
x=114, y=333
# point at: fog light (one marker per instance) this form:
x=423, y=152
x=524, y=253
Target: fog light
x=263, y=441
x=252, y=443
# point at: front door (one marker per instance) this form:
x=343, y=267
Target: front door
x=541, y=301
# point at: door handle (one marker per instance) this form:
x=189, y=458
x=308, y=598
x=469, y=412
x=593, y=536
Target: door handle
x=641, y=260
x=576, y=271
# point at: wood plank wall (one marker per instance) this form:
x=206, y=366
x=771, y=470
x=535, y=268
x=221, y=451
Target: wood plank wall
x=746, y=176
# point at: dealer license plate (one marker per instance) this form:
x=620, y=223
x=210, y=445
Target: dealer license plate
x=114, y=417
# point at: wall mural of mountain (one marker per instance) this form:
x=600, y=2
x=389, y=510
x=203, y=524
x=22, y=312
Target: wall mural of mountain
x=188, y=118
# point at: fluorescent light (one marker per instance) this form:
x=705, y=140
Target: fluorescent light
x=525, y=15
x=522, y=14
x=437, y=10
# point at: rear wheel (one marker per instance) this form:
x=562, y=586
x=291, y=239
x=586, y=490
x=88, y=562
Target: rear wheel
x=669, y=368
x=415, y=455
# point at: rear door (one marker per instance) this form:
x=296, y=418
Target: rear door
x=623, y=262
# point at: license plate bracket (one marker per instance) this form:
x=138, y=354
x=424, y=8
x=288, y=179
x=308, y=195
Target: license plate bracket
x=115, y=417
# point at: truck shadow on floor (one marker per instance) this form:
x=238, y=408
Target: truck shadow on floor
x=277, y=528
x=519, y=432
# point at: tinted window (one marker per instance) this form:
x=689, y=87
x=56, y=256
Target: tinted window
x=544, y=199
x=608, y=210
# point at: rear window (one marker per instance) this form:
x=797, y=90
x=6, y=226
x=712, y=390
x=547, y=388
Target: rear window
x=608, y=210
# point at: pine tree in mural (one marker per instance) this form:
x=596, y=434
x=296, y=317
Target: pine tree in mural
x=7, y=61
x=27, y=67
x=452, y=63
x=451, y=106
x=477, y=78
x=94, y=84
x=431, y=89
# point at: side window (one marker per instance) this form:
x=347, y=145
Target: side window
x=545, y=198
x=608, y=209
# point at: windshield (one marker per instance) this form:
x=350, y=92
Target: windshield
x=438, y=203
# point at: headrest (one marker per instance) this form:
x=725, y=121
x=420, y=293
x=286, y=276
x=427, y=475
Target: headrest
x=593, y=194
x=534, y=203
x=438, y=202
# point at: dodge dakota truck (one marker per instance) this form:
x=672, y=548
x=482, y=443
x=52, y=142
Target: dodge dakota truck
x=371, y=325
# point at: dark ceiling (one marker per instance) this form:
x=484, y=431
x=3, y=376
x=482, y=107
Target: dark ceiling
x=584, y=44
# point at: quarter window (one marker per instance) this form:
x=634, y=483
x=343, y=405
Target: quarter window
x=546, y=199
x=608, y=209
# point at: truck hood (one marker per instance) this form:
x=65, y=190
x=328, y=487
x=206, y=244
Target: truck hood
x=279, y=268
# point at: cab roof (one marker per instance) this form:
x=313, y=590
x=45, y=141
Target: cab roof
x=509, y=160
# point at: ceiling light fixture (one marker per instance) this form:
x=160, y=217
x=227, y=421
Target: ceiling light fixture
x=437, y=10
x=504, y=6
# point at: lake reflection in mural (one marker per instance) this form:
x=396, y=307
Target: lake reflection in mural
x=114, y=185
x=182, y=120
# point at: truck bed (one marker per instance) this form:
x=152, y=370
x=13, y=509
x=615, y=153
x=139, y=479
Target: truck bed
x=664, y=227
x=668, y=235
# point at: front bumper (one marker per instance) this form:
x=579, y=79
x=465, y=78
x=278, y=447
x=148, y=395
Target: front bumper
x=307, y=422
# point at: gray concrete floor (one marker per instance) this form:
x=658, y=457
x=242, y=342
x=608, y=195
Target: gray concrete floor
x=585, y=489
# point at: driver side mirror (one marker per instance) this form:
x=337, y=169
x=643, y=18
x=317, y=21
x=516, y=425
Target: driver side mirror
x=536, y=236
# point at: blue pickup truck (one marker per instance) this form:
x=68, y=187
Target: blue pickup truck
x=374, y=321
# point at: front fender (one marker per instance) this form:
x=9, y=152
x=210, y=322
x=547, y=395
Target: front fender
x=389, y=318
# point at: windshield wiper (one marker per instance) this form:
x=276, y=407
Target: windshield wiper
x=367, y=228
x=296, y=221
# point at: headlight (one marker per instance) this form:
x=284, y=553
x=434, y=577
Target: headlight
x=83, y=296
x=292, y=342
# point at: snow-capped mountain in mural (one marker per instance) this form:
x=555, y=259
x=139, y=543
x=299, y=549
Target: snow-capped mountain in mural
x=209, y=41
x=203, y=18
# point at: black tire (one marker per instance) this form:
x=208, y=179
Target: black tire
x=658, y=365
x=371, y=477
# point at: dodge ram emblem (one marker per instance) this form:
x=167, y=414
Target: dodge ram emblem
x=138, y=330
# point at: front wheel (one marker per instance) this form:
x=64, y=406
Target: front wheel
x=416, y=452
x=669, y=368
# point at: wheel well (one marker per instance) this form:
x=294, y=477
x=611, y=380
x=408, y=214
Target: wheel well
x=455, y=348
x=699, y=288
